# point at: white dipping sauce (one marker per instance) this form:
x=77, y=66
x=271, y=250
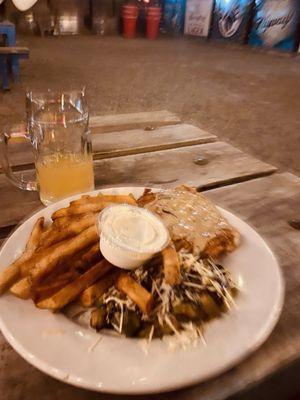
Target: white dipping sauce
x=130, y=235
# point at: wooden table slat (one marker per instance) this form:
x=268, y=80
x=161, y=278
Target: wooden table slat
x=222, y=164
x=140, y=141
x=113, y=144
x=109, y=123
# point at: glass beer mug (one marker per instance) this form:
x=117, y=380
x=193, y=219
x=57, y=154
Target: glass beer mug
x=57, y=127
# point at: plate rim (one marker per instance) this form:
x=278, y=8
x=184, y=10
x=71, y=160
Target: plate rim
x=71, y=379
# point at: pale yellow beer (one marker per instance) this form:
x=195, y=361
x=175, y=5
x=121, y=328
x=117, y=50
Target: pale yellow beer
x=62, y=175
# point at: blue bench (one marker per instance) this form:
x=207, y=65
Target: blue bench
x=8, y=29
x=6, y=55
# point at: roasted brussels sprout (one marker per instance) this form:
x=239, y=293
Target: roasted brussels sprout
x=144, y=333
x=186, y=311
x=131, y=323
x=98, y=318
x=209, y=306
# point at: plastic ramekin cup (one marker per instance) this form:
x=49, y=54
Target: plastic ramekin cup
x=125, y=252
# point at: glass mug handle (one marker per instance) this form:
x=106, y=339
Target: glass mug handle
x=18, y=181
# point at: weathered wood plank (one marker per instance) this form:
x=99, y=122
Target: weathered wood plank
x=220, y=164
x=225, y=165
x=120, y=122
x=140, y=141
x=266, y=203
x=113, y=144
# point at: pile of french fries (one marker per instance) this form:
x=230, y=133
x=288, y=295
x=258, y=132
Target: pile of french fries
x=62, y=262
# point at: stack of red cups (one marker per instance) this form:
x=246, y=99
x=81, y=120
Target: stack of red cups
x=129, y=15
x=153, y=17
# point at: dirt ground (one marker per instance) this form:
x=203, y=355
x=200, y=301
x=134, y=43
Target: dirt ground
x=246, y=97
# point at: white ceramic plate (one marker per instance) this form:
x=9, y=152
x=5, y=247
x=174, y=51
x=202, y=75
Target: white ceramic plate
x=61, y=348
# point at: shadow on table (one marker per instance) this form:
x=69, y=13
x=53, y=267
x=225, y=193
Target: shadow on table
x=284, y=385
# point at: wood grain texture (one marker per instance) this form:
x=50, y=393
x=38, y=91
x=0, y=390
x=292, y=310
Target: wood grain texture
x=140, y=141
x=266, y=203
x=113, y=144
x=110, y=123
x=226, y=165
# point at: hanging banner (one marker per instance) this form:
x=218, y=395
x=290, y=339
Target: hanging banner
x=275, y=24
x=173, y=15
x=231, y=20
x=198, y=17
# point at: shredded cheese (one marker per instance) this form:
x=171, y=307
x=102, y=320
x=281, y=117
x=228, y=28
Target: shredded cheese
x=198, y=277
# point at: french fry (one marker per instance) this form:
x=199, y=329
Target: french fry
x=77, y=263
x=93, y=254
x=22, y=289
x=64, y=273
x=134, y=202
x=63, y=221
x=128, y=199
x=84, y=197
x=28, y=265
x=47, y=289
x=11, y=274
x=139, y=295
x=57, y=234
x=91, y=205
x=47, y=260
x=72, y=290
x=146, y=198
x=171, y=265
x=34, y=238
x=82, y=260
x=79, y=209
x=92, y=293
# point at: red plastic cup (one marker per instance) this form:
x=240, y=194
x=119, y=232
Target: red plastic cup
x=129, y=16
x=152, y=21
x=130, y=10
x=154, y=11
x=129, y=27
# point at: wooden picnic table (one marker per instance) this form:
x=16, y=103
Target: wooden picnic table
x=155, y=149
